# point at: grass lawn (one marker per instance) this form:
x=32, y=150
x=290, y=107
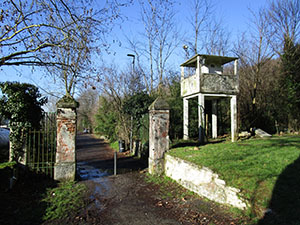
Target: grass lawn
x=114, y=145
x=267, y=171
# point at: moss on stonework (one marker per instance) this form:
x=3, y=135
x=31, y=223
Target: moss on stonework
x=67, y=102
x=159, y=104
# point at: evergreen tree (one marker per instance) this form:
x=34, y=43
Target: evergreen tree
x=291, y=81
x=106, y=119
x=21, y=104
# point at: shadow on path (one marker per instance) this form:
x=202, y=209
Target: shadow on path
x=95, y=158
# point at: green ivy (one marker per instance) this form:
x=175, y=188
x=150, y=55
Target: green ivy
x=137, y=106
x=7, y=165
x=21, y=104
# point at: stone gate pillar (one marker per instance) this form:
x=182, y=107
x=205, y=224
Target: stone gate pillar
x=158, y=135
x=65, y=162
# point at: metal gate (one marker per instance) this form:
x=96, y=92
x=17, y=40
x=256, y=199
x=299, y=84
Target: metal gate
x=40, y=146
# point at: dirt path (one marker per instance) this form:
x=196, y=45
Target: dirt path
x=128, y=199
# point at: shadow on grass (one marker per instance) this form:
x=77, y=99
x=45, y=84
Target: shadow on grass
x=285, y=201
x=216, y=141
x=22, y=204
x=193, y=143
x=185, y=144
x=281, y=142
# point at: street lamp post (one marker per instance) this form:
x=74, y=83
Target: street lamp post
x=131, y=118
x=133, y=60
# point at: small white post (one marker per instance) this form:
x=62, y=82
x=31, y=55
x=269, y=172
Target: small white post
x=115, y=163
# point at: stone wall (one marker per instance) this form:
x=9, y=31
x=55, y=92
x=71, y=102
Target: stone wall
x=202, y=181
x=216, y=83
x=190, y=85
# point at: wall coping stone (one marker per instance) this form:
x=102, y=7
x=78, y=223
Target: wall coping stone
x=159, y=104
x=67, y=102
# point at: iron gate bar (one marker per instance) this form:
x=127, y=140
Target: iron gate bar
x=41, y=146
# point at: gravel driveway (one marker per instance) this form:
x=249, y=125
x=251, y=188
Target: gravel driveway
x=129, y=199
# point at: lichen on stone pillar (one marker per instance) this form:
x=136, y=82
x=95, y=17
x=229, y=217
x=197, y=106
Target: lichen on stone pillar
x=65, y=163
x=159, y=120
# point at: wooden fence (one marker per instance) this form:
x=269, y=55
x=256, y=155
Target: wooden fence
x=40, y=146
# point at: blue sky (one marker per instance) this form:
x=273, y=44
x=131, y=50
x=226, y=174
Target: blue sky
x=235, y=16
x=234, y=13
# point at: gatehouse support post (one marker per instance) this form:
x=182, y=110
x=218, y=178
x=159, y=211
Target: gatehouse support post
x=233, y=110
x=201, y=118
x=159, y=119
x=185, y=119
x=214, y=119
x=65, y=162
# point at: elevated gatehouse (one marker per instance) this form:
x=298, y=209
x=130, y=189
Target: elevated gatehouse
x=209, y=83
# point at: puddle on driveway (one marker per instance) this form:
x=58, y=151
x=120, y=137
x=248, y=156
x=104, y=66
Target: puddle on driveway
x=87, y=172
x=99, y=179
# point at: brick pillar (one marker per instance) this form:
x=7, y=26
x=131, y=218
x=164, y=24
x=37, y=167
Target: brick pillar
x=65, y=163
x=158, y=135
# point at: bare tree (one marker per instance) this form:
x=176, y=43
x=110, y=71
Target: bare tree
x=284, y=22
x=201, y=11
x=209, y=33
x=157, y=43
x=114, y=87
x=148, y=16
x=72, y=61
x=167, y=36
x=148, y=78
x=88, y=100
x=217, y=40
x=256, y=77
x=58, y=33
